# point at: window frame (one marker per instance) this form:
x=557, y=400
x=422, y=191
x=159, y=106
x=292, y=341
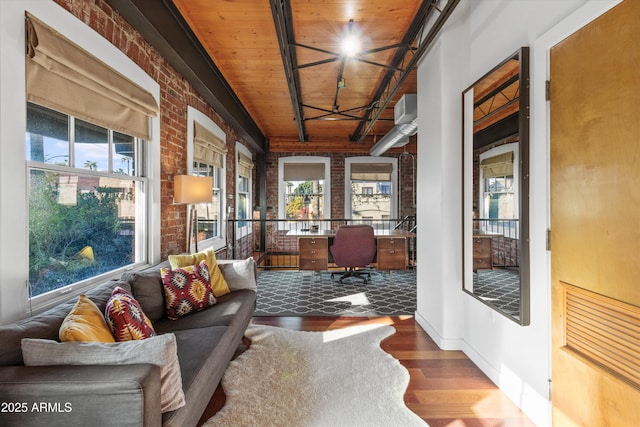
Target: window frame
x=326, y=188
x=501, y=149
x=246, y=229
x=13, y=160
x=193, y=115
x=348, y=199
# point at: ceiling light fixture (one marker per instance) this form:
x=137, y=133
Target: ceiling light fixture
x=351, y=42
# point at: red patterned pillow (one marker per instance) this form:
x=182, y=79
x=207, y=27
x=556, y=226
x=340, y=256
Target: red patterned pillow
x=187, y=290
x=125, y=317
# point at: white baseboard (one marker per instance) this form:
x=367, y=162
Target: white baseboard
x=442, y=342
x=536, y=406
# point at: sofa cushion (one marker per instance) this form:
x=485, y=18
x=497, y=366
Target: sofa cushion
x=160, y=350
x=230, y=307
x=187, y=290
x=240, y=274
x=218, y=282
x=85, y=322
x=146, y=287
x=126, y=318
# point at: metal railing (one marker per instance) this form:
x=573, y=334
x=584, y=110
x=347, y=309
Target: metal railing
x=267, y=240
x=505, y=237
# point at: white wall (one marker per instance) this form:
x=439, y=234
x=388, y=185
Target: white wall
x=14, y=262
x=478, y=36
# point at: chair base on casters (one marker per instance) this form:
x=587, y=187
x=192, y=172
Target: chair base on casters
x=352, y=272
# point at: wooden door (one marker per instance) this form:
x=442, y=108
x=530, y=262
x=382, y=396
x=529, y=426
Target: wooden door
x=595, y=222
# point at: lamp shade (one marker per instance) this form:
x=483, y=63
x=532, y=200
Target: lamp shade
x=192, y=189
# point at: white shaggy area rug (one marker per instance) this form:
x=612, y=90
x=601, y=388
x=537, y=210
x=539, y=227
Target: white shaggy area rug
x=338, y=378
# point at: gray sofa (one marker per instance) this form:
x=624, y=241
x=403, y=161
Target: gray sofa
x=123, y=395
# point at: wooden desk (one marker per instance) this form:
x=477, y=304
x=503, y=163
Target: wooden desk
x=313, y=249
x=482, y=252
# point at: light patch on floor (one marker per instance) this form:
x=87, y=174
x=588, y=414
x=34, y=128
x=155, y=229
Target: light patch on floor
x=354, y=299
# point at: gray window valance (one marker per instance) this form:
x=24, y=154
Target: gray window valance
x=303, y=171
x=245, y=165
x=371, y=171
x=208, y=148
x=500, y=165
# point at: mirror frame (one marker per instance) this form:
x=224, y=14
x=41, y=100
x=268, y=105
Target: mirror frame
x=523, y=185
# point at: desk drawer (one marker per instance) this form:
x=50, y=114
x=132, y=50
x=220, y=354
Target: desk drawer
x=314, y=253
x=482, y=252
x=392, y=253
x=392, y=243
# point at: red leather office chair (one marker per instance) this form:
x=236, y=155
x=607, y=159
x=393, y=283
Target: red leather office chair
x=354, y=247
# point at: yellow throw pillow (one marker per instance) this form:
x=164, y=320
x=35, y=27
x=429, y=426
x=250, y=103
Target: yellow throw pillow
x=218, y=283
x=85, y=323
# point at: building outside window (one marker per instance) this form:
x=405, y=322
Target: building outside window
x=370, y=187
x=304, y=188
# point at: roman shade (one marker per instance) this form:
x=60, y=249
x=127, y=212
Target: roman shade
x=245, y=165
x=500, y=165
x=64, y=77
x=371, y=171
x=303, y=171
x=208, y=148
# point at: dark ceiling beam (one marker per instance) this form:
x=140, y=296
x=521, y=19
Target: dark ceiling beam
x=161, y=24
x=385, y=91
x=282, y=18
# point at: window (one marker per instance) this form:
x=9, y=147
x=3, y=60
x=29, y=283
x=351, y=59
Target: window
x=88, y=163
x=208, y=158
x=244, y=168
x=498, y=190
x=370, y=186
x=304, y=188
x=85, y=199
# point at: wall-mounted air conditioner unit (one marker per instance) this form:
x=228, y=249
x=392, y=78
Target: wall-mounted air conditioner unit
x=406, y=109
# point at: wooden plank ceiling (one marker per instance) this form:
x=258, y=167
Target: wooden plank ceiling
x=241, y=39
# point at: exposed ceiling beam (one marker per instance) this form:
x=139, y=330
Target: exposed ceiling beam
x=282, y=19
x=161, y=24
x=388, y=88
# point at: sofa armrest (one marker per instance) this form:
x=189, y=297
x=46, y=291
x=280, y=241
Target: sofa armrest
x=96, y=395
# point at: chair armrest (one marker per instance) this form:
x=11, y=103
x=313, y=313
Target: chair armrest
x=96, y=395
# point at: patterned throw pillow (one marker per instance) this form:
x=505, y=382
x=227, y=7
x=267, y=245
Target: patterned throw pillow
x=187, y=290
x=126, y=318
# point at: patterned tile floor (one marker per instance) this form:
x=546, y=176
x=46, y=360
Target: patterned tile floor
x=500, y=288
x=305, y=293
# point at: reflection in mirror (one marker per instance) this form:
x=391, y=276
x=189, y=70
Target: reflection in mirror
x=496, y=188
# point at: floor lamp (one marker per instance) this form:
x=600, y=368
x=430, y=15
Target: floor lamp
x=189, y=189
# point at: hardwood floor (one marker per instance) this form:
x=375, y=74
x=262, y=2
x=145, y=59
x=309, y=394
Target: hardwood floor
x=446, y=388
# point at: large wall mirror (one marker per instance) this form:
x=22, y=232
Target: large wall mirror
x=496, y=188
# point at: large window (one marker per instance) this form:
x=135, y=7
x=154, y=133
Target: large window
x=87, y=163
x=370, y=186
x=86, y=199
x=498, y=191
x=304, y=188
x=208, y=158
x=244, y=168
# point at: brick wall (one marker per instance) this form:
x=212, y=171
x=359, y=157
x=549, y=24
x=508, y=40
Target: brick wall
x=175, y=95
